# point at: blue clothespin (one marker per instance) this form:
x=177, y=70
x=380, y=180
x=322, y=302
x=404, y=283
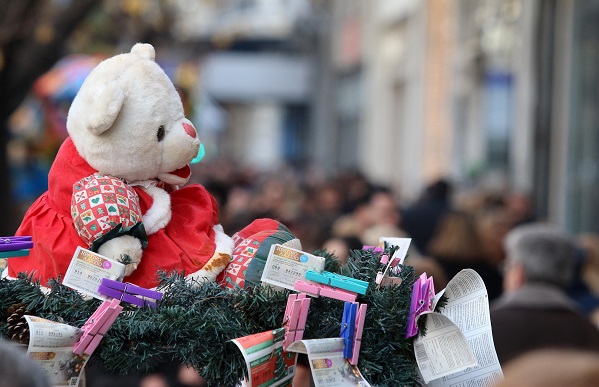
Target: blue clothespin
x=348, y=328
x=130, y=293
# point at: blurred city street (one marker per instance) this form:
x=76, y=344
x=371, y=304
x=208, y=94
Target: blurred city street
x=345, y=120
x=496, y=95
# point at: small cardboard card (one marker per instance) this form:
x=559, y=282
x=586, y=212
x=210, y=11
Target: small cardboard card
x=285, y=265
x=87, y=269
x=403, y=245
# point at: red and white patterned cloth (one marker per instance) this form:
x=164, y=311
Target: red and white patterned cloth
x=99, y=203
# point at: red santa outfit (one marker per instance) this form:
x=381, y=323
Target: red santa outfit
x=186, y=243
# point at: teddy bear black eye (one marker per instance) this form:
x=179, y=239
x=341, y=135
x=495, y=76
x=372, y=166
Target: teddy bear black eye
x=160, y=133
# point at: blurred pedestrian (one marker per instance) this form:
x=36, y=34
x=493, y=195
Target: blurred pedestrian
x=456, y=245
x=535, y=312
x=18, y=370
x=420, y=220
x=341, y=247
x=552, y=368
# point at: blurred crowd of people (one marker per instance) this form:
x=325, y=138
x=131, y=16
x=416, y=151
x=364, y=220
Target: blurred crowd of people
x=451, y=228
x=543, y=283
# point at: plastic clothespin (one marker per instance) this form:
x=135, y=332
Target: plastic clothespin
x=96, y=327
x=360, y=317
x=375, y=249
x=130, y=293
x=294, y=320
x=15, y=246
x=318, y=289
x=422, y=294
x=338, y=281
x=389, y=263
x=348, y=327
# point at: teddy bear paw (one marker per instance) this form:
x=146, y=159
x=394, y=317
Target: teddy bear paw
x=124, y=248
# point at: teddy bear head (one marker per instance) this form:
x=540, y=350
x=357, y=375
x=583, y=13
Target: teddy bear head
x=127, y=121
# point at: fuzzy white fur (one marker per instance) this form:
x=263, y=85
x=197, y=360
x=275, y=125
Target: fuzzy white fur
x=160, y=213
x=115, y=121
x=124, y=245
x=115, y=118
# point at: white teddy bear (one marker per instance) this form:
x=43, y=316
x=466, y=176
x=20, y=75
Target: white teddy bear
x=128, y=136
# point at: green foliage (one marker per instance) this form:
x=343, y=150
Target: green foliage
x=195, y=322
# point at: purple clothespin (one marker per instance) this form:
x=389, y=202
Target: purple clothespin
x=13, y=243
x=130, y=293
x=422, y=295
x=96, y=327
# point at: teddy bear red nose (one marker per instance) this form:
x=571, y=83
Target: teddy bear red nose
x=189, y=130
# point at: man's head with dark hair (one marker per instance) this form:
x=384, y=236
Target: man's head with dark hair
x=439, y=190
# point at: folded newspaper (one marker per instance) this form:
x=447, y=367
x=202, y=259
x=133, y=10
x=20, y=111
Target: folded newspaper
x=457, y=349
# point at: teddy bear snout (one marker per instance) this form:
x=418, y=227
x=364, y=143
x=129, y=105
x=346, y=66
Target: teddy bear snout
x=189, y=130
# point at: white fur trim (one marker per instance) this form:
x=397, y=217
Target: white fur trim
x=158, y=216
x=224, y=245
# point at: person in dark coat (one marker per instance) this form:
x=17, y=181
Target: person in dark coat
x=456, y=245
x=420, y=220
x=535, y=312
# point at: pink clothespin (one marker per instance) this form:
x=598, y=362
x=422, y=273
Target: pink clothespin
x=422, y=295
x=96, y=326
x=294, y=320
x=375, y=249
x=360, y=317
x=317, y=289
x=390, y=263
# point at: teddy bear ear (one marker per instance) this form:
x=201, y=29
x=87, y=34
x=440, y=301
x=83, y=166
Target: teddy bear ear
x=106, y=106
x=144, y=50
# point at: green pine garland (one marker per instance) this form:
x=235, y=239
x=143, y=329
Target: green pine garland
x=194, y=323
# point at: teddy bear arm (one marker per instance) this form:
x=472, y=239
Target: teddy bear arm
x=124, y=245
x=159, y=214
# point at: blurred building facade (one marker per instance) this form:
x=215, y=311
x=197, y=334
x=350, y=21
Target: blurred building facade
x=493, y=92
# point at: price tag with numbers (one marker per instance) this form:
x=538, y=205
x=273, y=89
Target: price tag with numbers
x=87, y=269
x=285, y=265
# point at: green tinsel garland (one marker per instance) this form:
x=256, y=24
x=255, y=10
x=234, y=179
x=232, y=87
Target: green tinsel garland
x=194, y=324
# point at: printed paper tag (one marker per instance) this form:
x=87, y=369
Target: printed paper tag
x=403, y=244
x=285, y=265
x=266, y=362
x=87, y=269
x=328, y=366
x=51, y=347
